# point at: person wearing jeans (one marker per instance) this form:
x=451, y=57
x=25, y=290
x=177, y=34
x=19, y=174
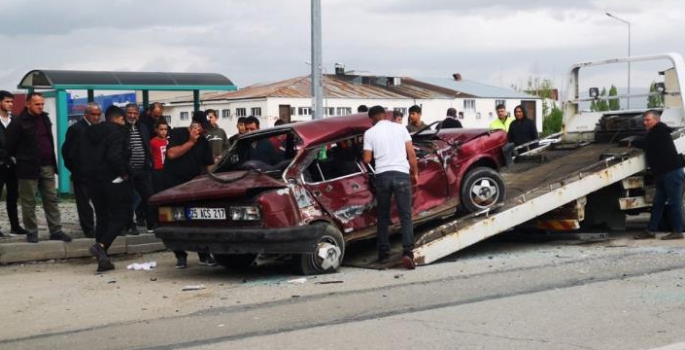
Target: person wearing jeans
x=390, y=146
x=29, y=140
x=667, y=167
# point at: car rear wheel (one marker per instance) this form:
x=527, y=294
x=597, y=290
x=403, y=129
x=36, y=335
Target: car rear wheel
x=326, y=257
x=235, y=261
x=482, y=188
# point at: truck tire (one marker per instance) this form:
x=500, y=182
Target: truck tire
x=326, y=257
x=235, y=261
x=481, y=188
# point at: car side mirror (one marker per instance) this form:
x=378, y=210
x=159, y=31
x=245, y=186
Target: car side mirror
x=593, y=92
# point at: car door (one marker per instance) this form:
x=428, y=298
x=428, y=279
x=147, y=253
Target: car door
x=339, y=183
x=430, y=193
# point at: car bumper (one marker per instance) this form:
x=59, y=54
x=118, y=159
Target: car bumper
x=225, y=240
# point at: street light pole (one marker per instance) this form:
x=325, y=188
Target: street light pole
x=317, y=86
x=627, y=23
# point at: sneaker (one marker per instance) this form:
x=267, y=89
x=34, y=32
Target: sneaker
x=151, y=229
x=645, y=235
x=60, y=236
x=408, y=261
x=16, y=231
x=32, y=237
x=674, y=235
x=208, y=261
x=104, y=264
x=181, y=262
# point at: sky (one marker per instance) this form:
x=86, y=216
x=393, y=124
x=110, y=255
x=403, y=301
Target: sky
x=498, y=42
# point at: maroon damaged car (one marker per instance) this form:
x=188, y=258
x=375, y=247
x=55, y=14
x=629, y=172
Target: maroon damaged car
x=302, y=190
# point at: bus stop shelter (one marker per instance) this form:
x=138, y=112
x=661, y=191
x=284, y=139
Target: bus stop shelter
x=62, y=80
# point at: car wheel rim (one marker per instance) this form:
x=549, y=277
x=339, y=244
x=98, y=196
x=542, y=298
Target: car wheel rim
x=327, y=255
x=484, y=193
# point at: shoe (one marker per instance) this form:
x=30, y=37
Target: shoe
x=208, y=261
x=408, y=261
x=133, y=231
x=383, y=257
x=60, y=236
x=151, y=229
x=673, y=235
x=181, y=263
x=645, y=235
x=32, y=237
x=101, y=255
x=18, y=231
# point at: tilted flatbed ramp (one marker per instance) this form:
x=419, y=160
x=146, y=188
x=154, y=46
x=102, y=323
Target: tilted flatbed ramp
x=532, y=190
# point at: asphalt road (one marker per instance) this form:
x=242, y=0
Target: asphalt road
x=620, y=294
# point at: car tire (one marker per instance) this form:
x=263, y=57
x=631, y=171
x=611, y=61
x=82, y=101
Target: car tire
x=235, y=261
x=482, y=188
x=326, y=257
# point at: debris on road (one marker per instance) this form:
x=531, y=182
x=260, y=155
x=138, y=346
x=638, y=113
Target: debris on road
x=195, y=287
x=298, y=281
x=329, y=282
x=147, y=266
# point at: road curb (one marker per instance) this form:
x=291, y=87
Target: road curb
x=17, y=252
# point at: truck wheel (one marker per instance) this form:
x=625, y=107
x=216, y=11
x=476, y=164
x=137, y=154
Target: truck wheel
x=235, y=260
x=481, y=188
x=326, y=257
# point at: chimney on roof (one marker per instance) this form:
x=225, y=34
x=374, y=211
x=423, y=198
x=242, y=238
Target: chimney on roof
x=339, y=69
x=456, y=76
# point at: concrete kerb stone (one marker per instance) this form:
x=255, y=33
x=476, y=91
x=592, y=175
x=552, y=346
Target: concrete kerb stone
x=22, y=252
x=144, y=243
x=78, y=248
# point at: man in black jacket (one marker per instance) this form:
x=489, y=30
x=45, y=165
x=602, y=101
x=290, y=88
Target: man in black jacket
x=70, y=151
x=140, y=164
x=30, y=142
x=522, y=130
x=8, y=176
x=451, y=120
x=667, y=167
x=104, y=157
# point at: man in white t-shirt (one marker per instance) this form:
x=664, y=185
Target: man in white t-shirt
x=390, y=145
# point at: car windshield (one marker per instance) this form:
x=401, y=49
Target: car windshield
x=266, y=152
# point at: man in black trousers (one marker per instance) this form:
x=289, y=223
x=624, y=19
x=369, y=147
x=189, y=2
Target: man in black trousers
x=140, y=164
x=104, y=157
x=8, y=176
x=70, y=154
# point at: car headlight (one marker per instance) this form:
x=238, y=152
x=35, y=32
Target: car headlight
x=244, y=213
x=169, y=214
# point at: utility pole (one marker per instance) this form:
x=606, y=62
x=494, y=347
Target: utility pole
x=628, y=24
x=317, y=84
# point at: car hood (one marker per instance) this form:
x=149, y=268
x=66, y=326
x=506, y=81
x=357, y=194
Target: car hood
x=234, y=184
x=463, y=135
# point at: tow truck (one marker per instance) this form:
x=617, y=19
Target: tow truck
x=580, y=177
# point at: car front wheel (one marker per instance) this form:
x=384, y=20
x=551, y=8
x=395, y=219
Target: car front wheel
x=482, y=188
x=326, y=257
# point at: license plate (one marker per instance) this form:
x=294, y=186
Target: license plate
x=206, y=213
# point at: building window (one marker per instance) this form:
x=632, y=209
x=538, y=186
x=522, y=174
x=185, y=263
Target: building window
x=292, y=110
x=225, y=113
x=256, y=112
x=343, y=110
x=304, y=111
x=240, y=112
x=500, y=102
x=329, y=111
x=184, y=115
x=469, y=105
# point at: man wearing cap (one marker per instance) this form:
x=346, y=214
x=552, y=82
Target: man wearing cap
x=189, y=154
